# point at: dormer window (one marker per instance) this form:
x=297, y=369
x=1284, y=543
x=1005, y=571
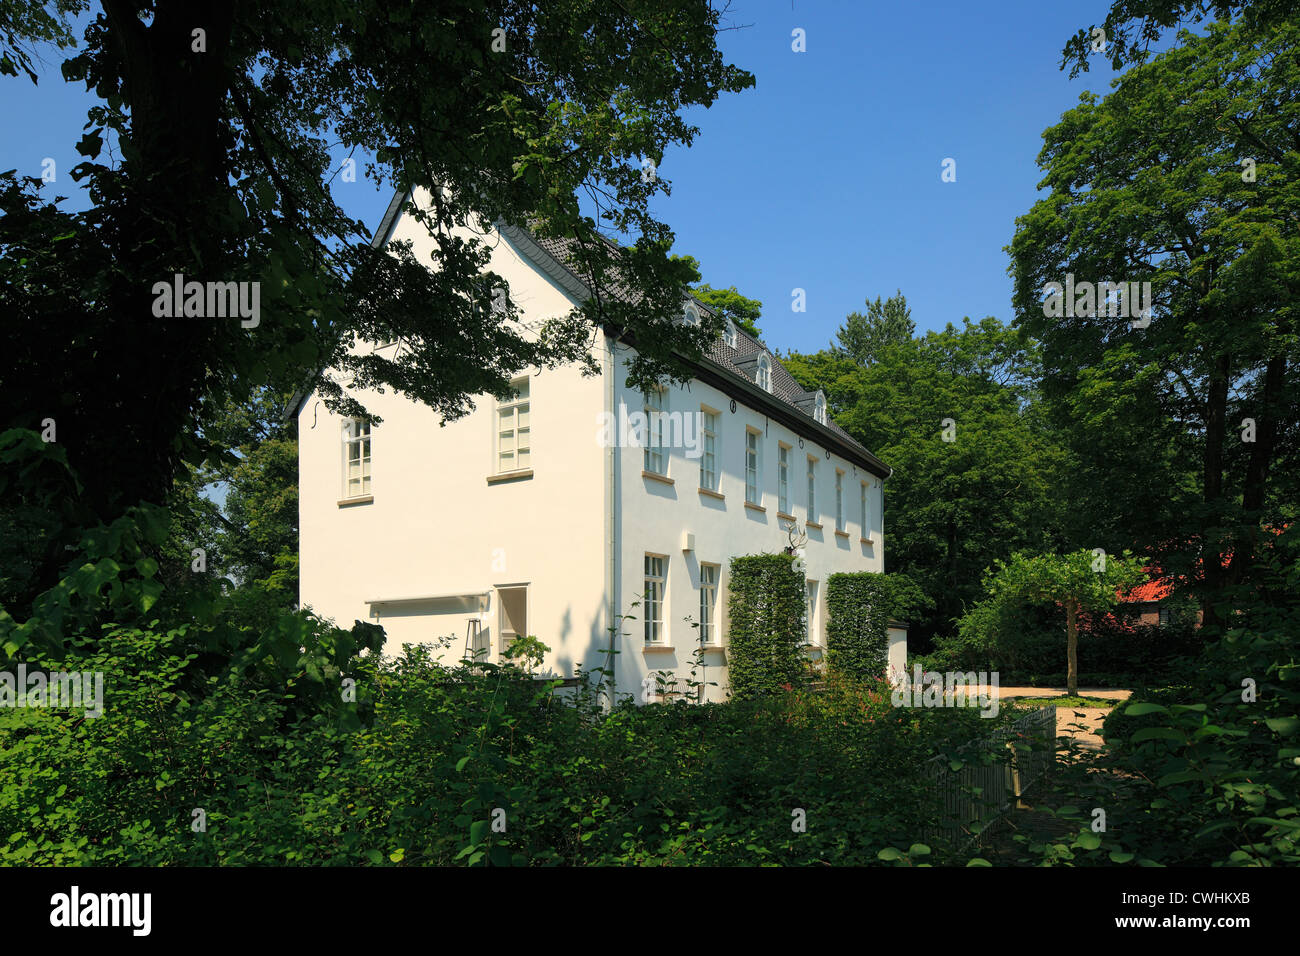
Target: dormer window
x=764, y=373
x=729, y=333
x=692, y=315
x=819, y=408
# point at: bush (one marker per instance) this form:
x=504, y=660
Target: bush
x=860, y=606
x=450, y=752
x=1030, y=648
x=767, y=625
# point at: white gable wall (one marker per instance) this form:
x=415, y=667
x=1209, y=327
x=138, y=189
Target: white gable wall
x=437, y=527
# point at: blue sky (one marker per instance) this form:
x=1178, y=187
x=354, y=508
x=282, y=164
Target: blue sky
x=826, y=176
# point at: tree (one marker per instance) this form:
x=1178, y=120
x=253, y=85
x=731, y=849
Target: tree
x=728, y=303
x=257, y=535
x=225, y=121
x=977, y=469
x=886, y=323
x=27, y=23
x=1078, y=581
x=1131, y=26
x=1184, y=177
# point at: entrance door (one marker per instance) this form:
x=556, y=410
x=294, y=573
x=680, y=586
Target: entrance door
x=512, y=613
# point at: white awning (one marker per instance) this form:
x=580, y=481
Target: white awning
x=472, y=597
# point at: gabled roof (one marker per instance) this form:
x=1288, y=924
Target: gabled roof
x=732, y=369
x=559, y=258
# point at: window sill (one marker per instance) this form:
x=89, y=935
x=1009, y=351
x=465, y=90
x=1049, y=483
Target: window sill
x=356, y=500
x=787, y=517
x=655, y=476
x=657, y=647
x=753, y=507
x=708, y=493
x=812, y=524
x=712, y=646
x=842, y=534
x=864, y=540
x=520, y=475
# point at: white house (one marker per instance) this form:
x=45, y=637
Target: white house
x=525, y=518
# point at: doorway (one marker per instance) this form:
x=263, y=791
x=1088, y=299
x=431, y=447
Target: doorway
x=512, y=616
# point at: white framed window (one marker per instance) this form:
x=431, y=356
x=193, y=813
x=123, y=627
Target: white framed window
x=866, y=527
x=752, y=487
x=810, y=593
x=709, y=603
x=783, y=478
x=691, y=314
x=729, y=333
x=839, y=500
x=655, y=581
x=655, y=459
x=765, y=373
x=812, y=489
x=514, y=430
x=819, y=408
x=709, y=450
x=356, y=458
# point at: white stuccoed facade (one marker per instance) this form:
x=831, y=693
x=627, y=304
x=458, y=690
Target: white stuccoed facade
x=558, y=549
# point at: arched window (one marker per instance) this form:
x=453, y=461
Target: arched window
x=764, y=373
x=692, y=315
x=729, y=333
x=819, y=408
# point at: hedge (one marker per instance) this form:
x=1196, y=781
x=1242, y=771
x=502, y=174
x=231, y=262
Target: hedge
x=857, y=623
x=859, y=607
x=767, y=627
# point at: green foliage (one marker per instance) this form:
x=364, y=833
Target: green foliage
x=727, y=303
x=29, y=23
x=1023, y=643
x=951, y=507
x=1151, y=184
x=864, y=337
x=1132, y=26
x=528, y=651
x=1080, y=581
x=766, y=606
x=1206, y=771
x=468, y=766
x=223, y=168
x=859, y=607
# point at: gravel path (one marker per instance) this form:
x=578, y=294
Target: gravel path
x=1081, y=723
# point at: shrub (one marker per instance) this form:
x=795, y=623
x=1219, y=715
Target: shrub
x=449, y=752
x=860, y=606
x=767, y=625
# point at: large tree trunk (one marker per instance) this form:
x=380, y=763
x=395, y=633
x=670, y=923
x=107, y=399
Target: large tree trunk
x=1262, y=453
x=1072, y=647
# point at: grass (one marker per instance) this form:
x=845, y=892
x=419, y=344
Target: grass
x=1062, y=701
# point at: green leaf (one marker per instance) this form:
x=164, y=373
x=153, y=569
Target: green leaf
x=1088, y=840
x=1158, y=733
x=1286, y=726
x=1181, y=776
x=1144, y=707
